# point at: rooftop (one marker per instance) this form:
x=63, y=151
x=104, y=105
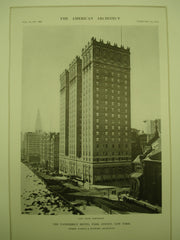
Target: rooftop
x=105, y=44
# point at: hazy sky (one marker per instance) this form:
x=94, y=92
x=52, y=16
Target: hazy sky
x=48, y=50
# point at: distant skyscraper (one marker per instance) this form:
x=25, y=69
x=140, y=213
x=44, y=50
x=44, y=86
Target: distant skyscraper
x=38, y=125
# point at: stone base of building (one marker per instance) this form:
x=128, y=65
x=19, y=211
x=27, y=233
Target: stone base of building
x=109, y=174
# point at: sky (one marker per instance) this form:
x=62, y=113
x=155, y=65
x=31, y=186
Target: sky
x=48, y=50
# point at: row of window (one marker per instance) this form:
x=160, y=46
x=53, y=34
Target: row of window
x=112, y=103
x=112, y=91
x=111, y=139
x=112, y=133
x=111, y=145
x=112, y=115
x=106, y=121
x=111, y=109
x=110, y=153
x=112, y=78
x=112, y=127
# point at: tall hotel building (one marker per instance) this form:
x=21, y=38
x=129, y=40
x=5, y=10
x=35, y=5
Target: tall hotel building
x=105, y=138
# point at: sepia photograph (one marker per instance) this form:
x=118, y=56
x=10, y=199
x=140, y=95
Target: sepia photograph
x=91, y=120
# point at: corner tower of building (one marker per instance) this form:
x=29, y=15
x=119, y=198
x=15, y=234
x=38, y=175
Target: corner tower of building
x=106, y=120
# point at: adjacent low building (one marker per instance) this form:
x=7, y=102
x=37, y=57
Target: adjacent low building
x=49, y=153
x=41, y=149
x=54, y=153
x=32, y=147
x=146, y=182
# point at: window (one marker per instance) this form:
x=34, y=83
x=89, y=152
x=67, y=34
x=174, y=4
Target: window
x=97, y=139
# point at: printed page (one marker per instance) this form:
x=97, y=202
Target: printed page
x=89, y=123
